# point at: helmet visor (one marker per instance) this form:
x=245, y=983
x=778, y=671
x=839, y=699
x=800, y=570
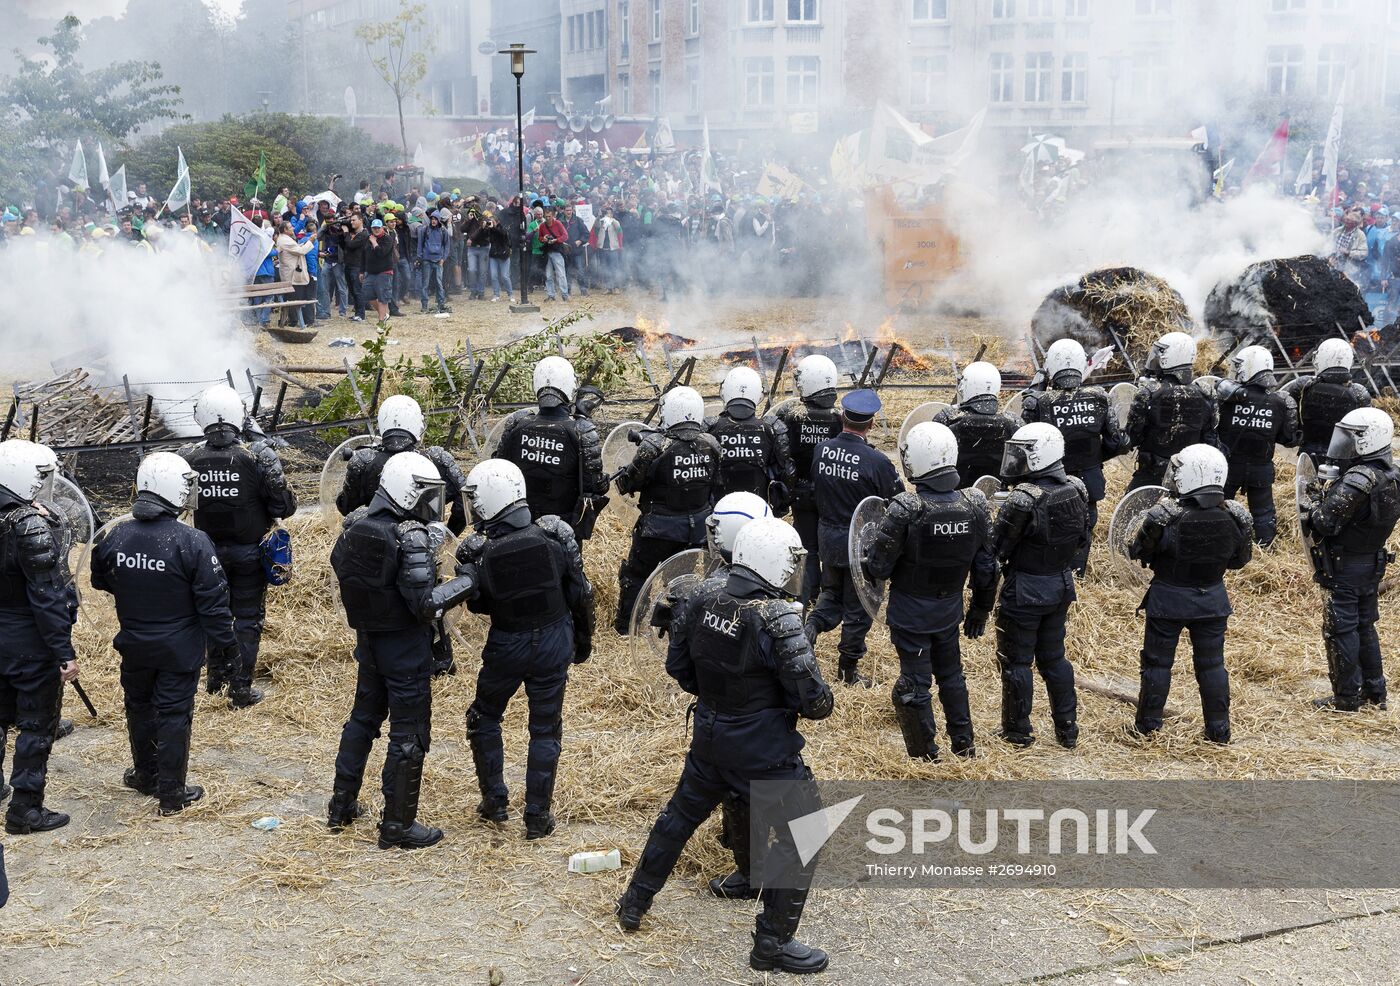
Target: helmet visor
x=1015, y=460
x=1343, y=445
x=46, y=484
x=792, y=588
x=431, y=504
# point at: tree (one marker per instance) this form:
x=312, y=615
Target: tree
x=398, y=49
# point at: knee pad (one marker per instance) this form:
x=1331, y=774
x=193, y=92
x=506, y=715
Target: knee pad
x=903, y=691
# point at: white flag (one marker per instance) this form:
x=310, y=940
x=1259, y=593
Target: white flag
x=529, y=118
x=179, y=195
x=1304, y=181
x=77, y=171
x=709, y=178
x=248, y=245
x=119, y=200
x=1333, y=147
x=104, y=180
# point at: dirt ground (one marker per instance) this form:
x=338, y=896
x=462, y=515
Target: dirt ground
x=124, y=896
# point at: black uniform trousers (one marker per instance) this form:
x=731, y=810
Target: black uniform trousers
x=539, y=660
x=29, y=689
x=1257, y=481
x=159, y=719
x=643, y=557
x=928, y=657
x=1349, y=630
x=1035, y=634
x=804, y=520
x=1094, y=483
x=1208, y=657
x=1149, y=472
x=395, y=682
x=247, y=587
x=839, y=605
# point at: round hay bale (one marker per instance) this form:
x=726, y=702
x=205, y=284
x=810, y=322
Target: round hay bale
x=1301, y=299
x=1138, y=306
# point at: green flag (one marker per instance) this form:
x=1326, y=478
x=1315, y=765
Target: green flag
x=258, y=183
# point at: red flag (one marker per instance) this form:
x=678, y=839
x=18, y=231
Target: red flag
x=1268, y=166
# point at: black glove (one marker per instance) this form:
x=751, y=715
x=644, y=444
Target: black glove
x=780, y=498
x=661, y=615
x=634, y=435
x=443, y=661
x=583, y=647
x=975, y=624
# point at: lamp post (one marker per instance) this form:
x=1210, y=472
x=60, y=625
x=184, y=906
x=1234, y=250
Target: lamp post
x=517, y=53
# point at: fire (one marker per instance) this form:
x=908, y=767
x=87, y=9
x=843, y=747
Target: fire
x=650, y=333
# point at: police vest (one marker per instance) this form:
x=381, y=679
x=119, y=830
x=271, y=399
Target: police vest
x=1368, y=534
x=14, y=587
x=981, y=442
x=1080, y=416
x=1178, y=415
x=725, y=646
x=746, y=447
x=1197, y=546
x=683, y=477
x=521, y=580
x=1052, y=537
x=366, y=561
x=1321, y=405
x=938, y=548
x=230, y=508
x=546, y=450
x=808, y=427
x=1249, y=421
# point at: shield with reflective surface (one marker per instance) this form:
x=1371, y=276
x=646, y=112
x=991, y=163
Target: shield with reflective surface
x=1132, y=506
x=865, y=523
x=674, y=579
x=333, y=477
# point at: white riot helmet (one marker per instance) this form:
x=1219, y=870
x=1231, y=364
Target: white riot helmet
x=1065, y=356
x=555, y=381
x=494, y=486
x=928, y=448
x=414, y=486
x=1197, y=469
x=1173, y=351
x=771, y=550
x=814, y=374
x=1250, y=362
x=24, y=470
x=680, y=405
x=979, y=379
x=220, y=405
x=401, y=413
x=1334, y=353
x=1363, y=434
x=169, y=477
x=1033, y=450
x=731, y=515
x=742, y=384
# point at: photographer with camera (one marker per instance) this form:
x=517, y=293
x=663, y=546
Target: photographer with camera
x=553, y=241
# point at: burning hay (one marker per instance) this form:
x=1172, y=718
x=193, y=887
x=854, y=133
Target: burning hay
x=648, y=334
x=1303, y=300
x=1131, y=303
x=71, y=411
x=850, y=351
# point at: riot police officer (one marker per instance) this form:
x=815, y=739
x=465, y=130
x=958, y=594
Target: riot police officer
x=558, y=452
x=929, y=543
x=1326, y=397
x=978, y=423
x=753, y=674
x=1189, y=540
x=756, y=455
x=809, y=421
x=242, y=493
x=1039, y=531
x=401, y=426
x=846, y=470
x=1253, y=418
x=384, y=561
x=1082, y=415
x=528, y=578
x=1168, y=412
x=173, y=604
x=37, y=609
x=675, y=473
x=1350, y=521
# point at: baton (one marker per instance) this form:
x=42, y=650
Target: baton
x=82, y=694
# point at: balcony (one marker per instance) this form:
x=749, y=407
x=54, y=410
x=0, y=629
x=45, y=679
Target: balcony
x=1040, y=32
x=1001, y=32
x=804, y=34
x=757, y=35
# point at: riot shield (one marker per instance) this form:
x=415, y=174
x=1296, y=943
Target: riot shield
x=618, y=451
x=1305, y=471
x=95, y=607
x=865, y=522
x=1208, y=384
x=673, y=580
x=69, y=503
x=990, y=487
x=1133, y=505
x=492, y=445
x=1120, y=401
x=1013, y=405
x=333, y=477
x=920, y=414
x=781, y=407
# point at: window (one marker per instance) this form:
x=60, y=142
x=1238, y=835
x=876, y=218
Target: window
x=624, y=82
x=1284, y=69
x=1074, y=77
x=624, y=30
x=1392, y=80
x=1331, y=69
x=930, y=10
x=802, y=80
x=1040, y=66
x=1001, y=66
x=692, y=83
x=656, y=20
x=928, y=79
x=1076, y=8
x=592, y=30
x=573, y=34
x=655, y=91
x=1286, y=6
x=1146, y=8
x=1149, y=79
x=1039, y=8
x=758, y=82
x=1003, y=8
x=692, y=18
x=758, y=11
x=802, y=11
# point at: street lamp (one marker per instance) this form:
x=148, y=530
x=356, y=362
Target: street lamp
x=517, y=53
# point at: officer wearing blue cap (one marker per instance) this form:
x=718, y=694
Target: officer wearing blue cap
x=845, y=470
